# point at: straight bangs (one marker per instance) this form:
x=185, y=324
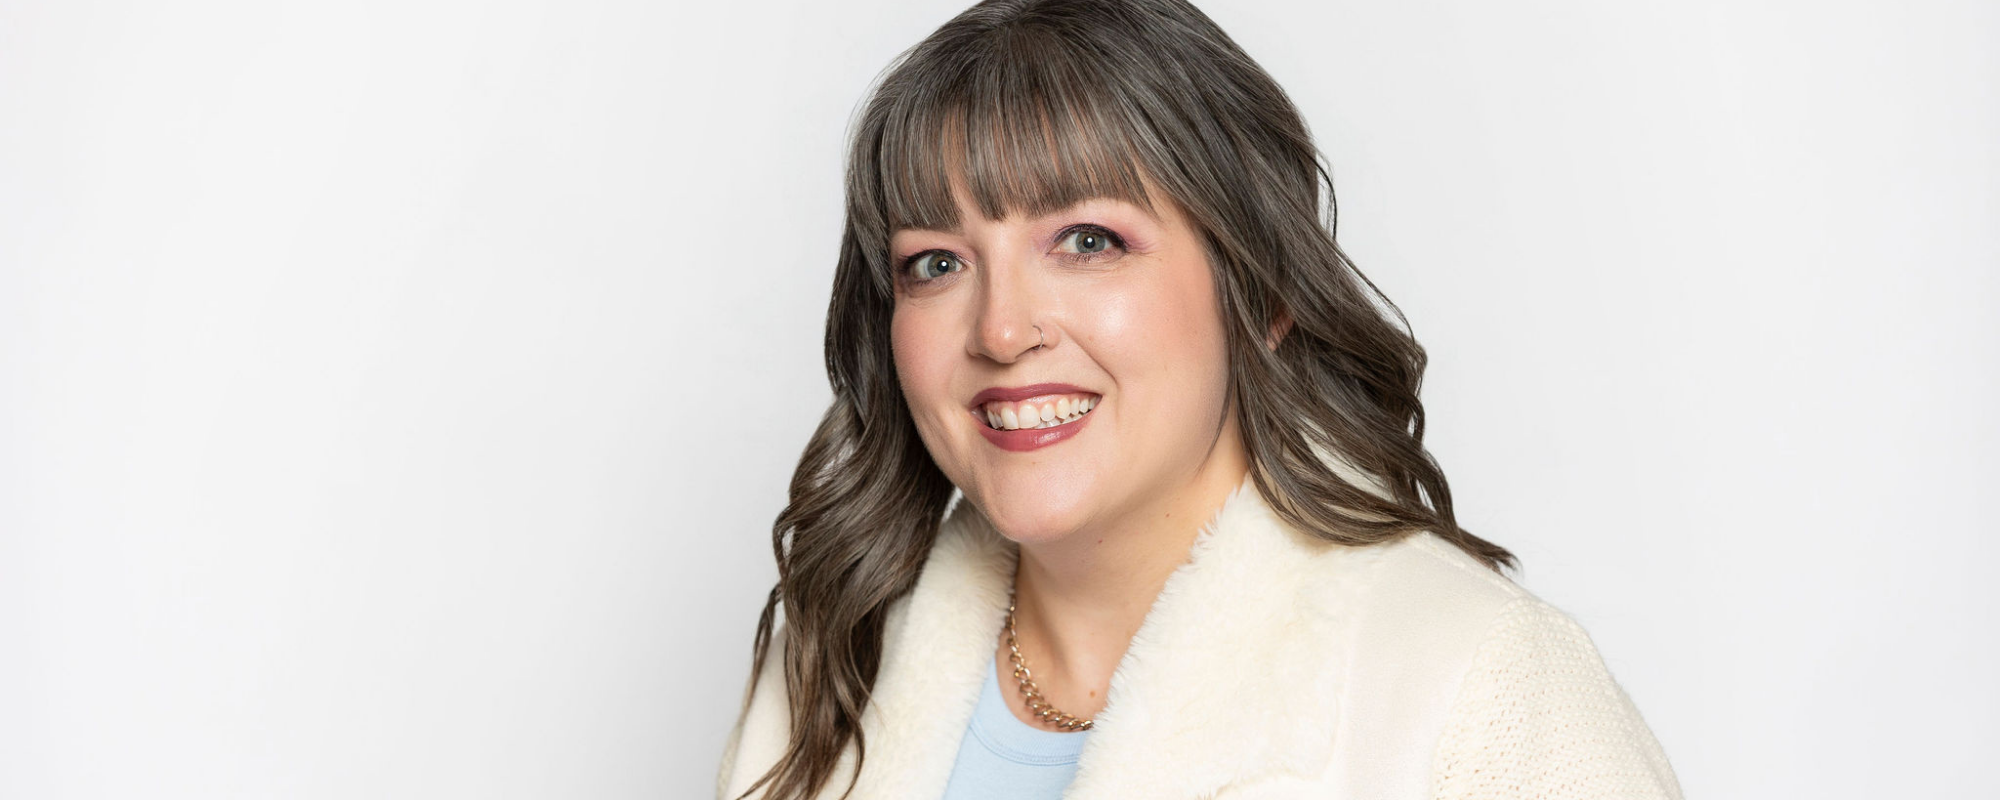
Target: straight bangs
x=1024, y=127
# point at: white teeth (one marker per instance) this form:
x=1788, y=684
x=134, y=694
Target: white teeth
x=1033, y=416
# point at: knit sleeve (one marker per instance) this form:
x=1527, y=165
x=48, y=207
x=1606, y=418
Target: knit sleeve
x=1538, y=717
x=727, y=769
x=764, y=721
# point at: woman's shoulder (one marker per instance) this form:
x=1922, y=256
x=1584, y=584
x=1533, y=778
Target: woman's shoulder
x=1424, y=593
x=1430, y=614
x=1510, y=691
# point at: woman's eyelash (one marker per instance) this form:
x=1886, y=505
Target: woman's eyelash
x=1114, y=239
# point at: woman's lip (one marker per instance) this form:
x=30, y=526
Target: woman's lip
x=1004, y=394
x=1025, y=439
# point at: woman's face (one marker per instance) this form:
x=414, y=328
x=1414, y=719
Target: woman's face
x=1130, y=380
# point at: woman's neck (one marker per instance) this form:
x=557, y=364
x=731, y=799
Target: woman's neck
x=1080, y=599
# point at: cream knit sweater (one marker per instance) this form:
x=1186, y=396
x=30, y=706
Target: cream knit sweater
x=1272, y=665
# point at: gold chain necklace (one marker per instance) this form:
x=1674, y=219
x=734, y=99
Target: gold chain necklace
x=1043, y=711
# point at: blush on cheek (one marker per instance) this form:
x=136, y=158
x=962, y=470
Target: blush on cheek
x=1117, y=313
x=922, y=358
x=905, y=347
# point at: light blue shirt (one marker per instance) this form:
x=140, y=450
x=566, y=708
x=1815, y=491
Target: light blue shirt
x=1003, y=758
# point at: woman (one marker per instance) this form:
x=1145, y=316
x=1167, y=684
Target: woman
x=1200, y=549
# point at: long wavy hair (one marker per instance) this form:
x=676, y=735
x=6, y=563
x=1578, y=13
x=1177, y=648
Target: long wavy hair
x=1036, y=105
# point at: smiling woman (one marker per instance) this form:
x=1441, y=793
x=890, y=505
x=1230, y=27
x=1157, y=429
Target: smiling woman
x=1085, y=281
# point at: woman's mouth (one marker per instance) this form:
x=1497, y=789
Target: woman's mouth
x=1050, y=411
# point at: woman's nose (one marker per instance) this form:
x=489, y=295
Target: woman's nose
x=1011, y=306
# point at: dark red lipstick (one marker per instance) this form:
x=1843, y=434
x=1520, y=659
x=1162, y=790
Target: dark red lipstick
x=1002, y=394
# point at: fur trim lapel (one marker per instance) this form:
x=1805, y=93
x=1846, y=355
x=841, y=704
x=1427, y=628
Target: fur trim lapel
x=935, y=649
x=1231, y=679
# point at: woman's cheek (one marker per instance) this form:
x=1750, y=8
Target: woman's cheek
x=1113, y=315
x=915, y=350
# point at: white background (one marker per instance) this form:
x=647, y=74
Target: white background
x=395, y=397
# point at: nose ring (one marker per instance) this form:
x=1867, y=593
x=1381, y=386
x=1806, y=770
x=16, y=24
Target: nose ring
x=1039, y=338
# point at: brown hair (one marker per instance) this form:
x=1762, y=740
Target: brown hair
x=1038, y=104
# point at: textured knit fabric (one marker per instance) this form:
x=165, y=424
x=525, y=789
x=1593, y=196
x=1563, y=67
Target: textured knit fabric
x=1539, y=717
x=1273, y=664
x=1003, y=758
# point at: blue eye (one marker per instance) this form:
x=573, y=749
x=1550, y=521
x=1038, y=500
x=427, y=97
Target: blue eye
x=1091, y=240
x=933, y=265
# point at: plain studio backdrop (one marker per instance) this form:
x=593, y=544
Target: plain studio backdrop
x=395, y=397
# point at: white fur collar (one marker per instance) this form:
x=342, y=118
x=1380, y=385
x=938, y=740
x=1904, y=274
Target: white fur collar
x=1231, y=679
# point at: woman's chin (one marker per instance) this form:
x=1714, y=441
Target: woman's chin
x=1033, y=520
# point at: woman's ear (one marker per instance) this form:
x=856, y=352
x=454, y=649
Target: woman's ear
x=1279, y=327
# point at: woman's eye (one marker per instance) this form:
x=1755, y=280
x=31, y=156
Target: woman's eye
x=1089, y=240
x=928, y=266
